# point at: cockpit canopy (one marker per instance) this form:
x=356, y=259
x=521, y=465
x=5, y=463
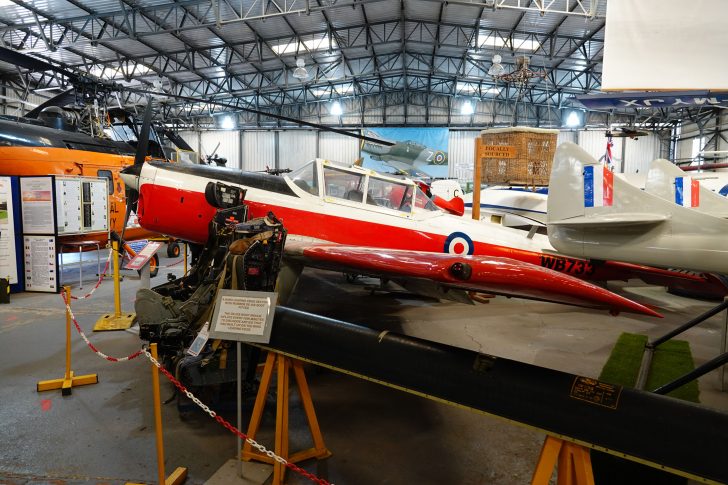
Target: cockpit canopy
x=360, y=185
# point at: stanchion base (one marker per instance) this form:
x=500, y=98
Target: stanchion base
x=65, y=385
x=115, y=322
x=178, y=476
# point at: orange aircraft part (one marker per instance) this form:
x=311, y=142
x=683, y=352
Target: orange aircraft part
x=38, y=161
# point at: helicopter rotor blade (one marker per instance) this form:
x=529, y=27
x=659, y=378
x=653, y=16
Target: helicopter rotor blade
x=62, y=99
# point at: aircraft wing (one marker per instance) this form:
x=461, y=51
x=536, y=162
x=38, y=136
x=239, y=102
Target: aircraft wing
x=502, y=276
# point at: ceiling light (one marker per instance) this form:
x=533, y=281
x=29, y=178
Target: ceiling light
x=467, y=108
x=300, y=72
x=227, y=122
x=573, y=120
x=497, y=68
x=336, y=109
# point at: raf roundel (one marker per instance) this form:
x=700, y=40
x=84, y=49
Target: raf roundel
x=459, y=243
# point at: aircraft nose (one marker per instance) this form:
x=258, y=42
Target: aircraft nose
x=130, y=176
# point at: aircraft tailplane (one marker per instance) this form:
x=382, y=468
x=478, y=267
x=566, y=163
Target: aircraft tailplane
x=667, y=181
x=592, y=214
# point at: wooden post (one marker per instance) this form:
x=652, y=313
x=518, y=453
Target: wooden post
x=477, y=176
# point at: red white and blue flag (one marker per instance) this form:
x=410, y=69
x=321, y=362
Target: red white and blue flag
x=687, y=192
x=608, y=155
x=598, y=186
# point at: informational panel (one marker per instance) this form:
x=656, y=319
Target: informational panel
x=8, y=268
x=81, y=205
x=36, y=194
x=68, y=205
x=417, y=152
x=41, y=267
x=665, y=45
x=144, y=255
x=99, y=204
x=245, y=316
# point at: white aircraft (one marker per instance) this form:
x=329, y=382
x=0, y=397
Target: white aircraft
x=592, y=214
x=516, y=206
x=354, y=220
x=668, y=181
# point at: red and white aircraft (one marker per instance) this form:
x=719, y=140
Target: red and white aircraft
x=355, y=220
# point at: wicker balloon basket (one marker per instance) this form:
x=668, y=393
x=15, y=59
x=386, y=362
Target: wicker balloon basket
x=516, y=155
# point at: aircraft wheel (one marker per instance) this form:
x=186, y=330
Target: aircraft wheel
x=173, y=249
x=153, y=266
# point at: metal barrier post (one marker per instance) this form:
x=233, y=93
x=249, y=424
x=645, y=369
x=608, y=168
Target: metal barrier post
x=66, y=383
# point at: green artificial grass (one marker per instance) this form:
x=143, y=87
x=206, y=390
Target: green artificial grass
x=670, y=361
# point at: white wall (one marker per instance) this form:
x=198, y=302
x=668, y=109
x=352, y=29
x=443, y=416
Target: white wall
x=296, y=148
x=229, y=145
x=259, y=150
x=340, y=148
x=461, y=154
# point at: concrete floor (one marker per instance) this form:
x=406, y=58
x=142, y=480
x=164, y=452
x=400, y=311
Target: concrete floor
x=104, y=433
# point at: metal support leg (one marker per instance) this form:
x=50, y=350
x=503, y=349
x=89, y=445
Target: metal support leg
x=723, y=345
x=80, y=267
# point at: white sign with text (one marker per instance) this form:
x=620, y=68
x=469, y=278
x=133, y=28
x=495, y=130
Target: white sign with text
x=245, y=316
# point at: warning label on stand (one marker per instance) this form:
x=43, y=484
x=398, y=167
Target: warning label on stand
x=596, y=392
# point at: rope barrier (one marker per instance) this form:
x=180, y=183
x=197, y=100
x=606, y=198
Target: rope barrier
x=227, y=425
x=98, y=283
x=88, y=342
x=170, y=265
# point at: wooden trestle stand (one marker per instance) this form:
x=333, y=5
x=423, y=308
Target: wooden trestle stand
x=574, y=463
x=283, y=365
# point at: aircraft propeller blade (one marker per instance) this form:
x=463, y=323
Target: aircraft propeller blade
x=132, y=195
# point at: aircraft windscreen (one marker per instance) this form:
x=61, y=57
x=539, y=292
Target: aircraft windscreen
x=306, y=178
x=343, y=184
x=424, y=202
x=392, y=195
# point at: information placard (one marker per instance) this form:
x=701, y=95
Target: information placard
x=143, y=256
x=41, y=270
x=245, y=316
x=8, y=268
x=81, y=205
x=68, y=205
x=36, y=194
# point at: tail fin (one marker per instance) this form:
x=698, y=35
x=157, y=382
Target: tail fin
x=583, y=192
x=587, y=219
x=669, y=182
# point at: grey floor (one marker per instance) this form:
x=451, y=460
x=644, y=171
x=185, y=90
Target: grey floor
x=104, y=433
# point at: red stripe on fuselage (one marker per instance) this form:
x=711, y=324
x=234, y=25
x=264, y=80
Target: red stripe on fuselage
x=186, y=214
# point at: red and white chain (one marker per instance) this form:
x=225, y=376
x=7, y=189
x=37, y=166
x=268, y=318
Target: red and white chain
x=88, y=342
x=233, y=429
x=98, y=283
x=171, y=265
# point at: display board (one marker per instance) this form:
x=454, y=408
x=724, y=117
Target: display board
x=36, y=194
x=8, y=266
x=82, y=205
x=417, y=152
x=41, y=264
x=665, y=45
